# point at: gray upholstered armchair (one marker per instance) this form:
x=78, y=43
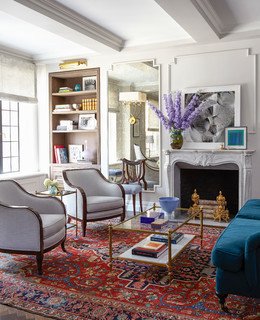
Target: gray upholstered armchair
x=97, y=198
x=30, y=224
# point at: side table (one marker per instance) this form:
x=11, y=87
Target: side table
x=60, y=195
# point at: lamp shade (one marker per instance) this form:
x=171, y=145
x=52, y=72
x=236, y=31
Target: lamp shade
x=132, y=96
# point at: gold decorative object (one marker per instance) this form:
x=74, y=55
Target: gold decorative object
x=73, y=64
x=195, y=209
x=213, y=209
x=221, y=213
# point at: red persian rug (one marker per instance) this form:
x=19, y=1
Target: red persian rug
x=79, y=285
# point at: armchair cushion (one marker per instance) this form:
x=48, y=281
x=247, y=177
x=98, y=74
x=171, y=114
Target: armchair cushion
x=104, y=203
x=52, y=223
x=231, y=257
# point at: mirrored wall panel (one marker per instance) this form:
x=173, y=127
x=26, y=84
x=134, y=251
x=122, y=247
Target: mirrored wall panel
x=133, y=127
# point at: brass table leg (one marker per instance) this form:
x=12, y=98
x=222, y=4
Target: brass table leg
x=201, y=226
x=110, y=248
x=169, y=264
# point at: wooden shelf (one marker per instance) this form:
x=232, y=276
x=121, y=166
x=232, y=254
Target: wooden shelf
x=75, y=112
x=74, y=93
x=75, y=131
x=82, y=138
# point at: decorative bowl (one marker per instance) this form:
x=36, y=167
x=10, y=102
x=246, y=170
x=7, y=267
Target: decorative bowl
x=168, y=204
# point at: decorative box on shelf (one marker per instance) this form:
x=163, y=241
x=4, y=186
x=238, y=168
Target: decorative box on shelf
x=159, y=223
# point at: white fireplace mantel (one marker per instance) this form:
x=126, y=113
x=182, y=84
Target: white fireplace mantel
x=242, y=159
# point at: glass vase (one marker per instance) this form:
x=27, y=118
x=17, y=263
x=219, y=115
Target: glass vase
x=177, y=138
x=53, y=190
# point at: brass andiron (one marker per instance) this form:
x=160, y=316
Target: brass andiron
x=195, y=209
x=221, y=213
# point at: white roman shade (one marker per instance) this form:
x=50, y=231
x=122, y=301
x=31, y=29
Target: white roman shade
x=17, y=79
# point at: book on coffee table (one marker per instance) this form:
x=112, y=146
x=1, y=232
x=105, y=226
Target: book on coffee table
x=176, y=237
x=150, y=249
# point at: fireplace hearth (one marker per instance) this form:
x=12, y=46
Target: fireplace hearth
x=210, y=171
x=208, y=183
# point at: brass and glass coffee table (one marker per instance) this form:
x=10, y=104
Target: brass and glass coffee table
x=181, y=218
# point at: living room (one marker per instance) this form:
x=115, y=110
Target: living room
x=188, y=46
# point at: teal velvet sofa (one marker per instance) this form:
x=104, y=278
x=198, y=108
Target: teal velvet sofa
x=236, y=255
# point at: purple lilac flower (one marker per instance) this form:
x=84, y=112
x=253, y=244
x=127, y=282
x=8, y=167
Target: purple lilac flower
x=160, y=115
x=170, y=110
x=177, y=108
x=174, y=118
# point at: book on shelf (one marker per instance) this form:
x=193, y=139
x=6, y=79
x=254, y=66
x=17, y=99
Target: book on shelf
x=55, y=154
x=62, y=155
x=65, y=89
x=176, y=237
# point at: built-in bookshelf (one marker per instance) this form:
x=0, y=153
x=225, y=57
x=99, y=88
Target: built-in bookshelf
x=74, y=103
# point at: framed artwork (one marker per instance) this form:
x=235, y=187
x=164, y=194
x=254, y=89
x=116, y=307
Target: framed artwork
x=75, y=152
x=236, y=138
x=136, y=128
x=89, y=83
x=87, y=122
x=220, y=109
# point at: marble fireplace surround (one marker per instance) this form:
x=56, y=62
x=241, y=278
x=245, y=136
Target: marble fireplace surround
x=240, y=160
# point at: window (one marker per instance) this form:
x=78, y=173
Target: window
x=9, y=144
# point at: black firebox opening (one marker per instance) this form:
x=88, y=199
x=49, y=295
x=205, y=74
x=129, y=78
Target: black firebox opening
x=208, y=183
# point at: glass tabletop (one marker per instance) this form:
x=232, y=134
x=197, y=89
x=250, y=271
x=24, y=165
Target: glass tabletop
x=156, y=221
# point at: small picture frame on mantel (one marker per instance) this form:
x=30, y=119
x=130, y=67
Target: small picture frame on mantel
x=236, y=138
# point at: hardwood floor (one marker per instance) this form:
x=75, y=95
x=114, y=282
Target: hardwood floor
x=8, y=313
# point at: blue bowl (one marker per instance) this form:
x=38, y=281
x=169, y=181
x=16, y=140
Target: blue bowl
x=169, y=204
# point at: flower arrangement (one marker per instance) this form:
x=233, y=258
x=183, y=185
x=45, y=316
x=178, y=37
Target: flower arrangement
x=175, y=119
x=51, y=185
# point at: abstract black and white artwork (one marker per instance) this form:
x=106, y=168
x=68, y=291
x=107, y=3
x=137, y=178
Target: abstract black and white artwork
x=220, y=108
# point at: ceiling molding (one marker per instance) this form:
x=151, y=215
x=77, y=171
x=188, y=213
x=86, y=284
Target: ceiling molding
x=16, y=53
x=209, y=14
x=194, y=22
x=75, y=21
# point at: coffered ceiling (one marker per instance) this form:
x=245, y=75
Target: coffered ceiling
x=55, y=29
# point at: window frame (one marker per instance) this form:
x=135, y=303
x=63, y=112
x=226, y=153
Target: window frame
x=2, y=141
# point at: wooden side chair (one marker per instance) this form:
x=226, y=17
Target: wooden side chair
x=133, y=173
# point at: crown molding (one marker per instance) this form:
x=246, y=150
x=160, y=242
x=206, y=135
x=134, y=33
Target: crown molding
x=73, y=20
x=16, y=53
x=209, y=14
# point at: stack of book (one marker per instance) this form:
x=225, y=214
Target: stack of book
x=65, y=89
x=150, y=249
x=62, y=107
x=176, y=237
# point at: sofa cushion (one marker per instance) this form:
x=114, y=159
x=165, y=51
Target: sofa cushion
x=228, y=252
x=103, y=203
x=250, y=210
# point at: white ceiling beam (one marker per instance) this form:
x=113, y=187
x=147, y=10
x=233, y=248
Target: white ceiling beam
x=193, y=17
x=58, y=19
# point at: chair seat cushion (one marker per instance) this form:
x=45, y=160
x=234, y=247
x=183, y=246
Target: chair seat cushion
x=228, y=252
x=103, y=203
x=132, y=188
x=52, y=224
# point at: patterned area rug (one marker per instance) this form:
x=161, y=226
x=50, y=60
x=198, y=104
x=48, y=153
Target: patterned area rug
x=79, y=285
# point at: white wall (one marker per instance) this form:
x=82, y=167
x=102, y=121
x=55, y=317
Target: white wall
x=224, y=63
